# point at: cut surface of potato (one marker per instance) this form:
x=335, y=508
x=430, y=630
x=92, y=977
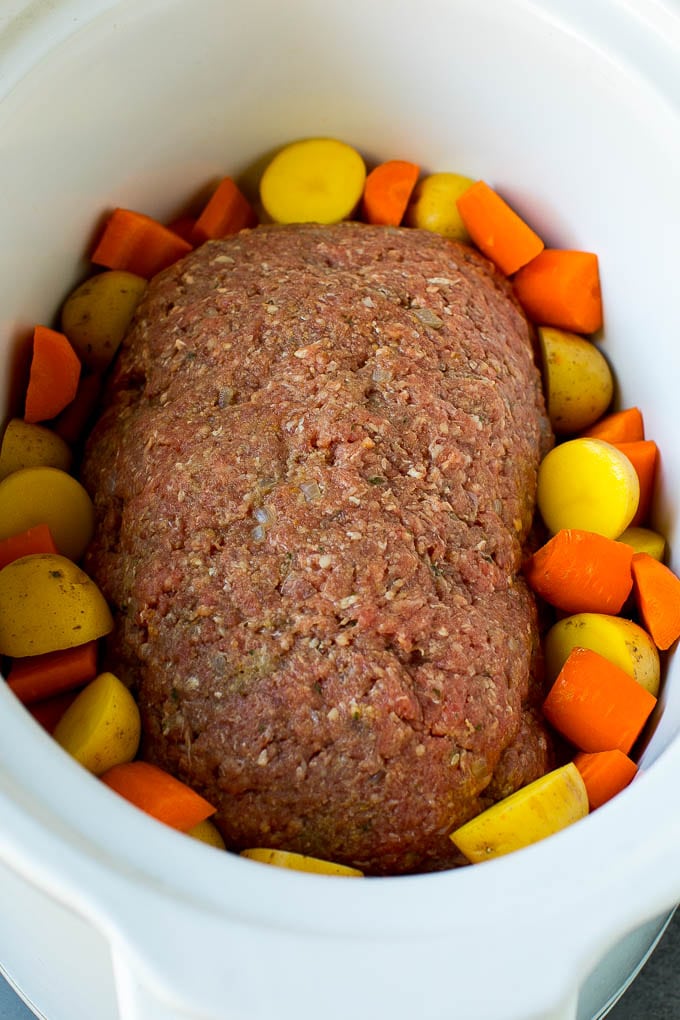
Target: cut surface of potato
x=95, y=317
x=102, y=727
x=538, y=810
x=316, y=180
x=207, y=832
x=27, y=445
x=47, y=495
x=589, y=485
x=622, y=641
x=48, y=603
x=578, y=381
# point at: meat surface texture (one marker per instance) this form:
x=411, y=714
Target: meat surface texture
x=314, y=478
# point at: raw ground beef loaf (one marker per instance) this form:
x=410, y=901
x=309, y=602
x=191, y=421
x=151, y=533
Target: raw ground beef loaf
x=314, y=478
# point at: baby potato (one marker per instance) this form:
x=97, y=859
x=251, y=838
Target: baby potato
x=300, y=862
x=96, y=315
x=316, y=180
x=621, y=641
x=587, y=484
x=47, y=495
x=102, y=727
x=578, y=381
x=207, y=832
x=433, y=205
x=539, y=809
x=645, y=540
x=26, y=445
x=48, y=603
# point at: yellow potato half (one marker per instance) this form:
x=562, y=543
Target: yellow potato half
x=96, y=316
x=47, y=495
x=102, y=727
x=621, y=641
x=25, y=445
x=587, y=484
x=299, y=862
x=578, y=381
x=433, y=205
x=317, y=180
x=540, y=809
x=645, y=540
x=207, y=832
x=47, y=603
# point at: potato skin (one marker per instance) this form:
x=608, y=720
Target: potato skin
x=578, y=381
x=48, y=603
x=28, y=445
x=433, y=205
x=96, y=315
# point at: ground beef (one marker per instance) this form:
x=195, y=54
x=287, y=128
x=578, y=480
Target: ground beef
x=314, y=478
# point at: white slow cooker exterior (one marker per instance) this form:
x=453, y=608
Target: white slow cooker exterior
x=572, y=109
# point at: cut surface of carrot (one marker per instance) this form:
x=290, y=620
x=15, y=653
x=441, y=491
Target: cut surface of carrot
x=561, y=287
x=36, y=677
x=657, y=595
x=497, y=230
x=625, y=426
x=582, y=572
x=37, y=539
x=644, y=456
x=596, y=705
x=604, y=773
x=387, y=191
x=138, y=244
x=227, y=212
x=54, y=375
x=159, y=794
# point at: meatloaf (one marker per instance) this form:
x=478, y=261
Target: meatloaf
x=314, y=477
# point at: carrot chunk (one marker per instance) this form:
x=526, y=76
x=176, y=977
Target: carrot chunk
x=582, y=572
x=496, y=229
x=138, y=243
x=37, y=539
x=387, y=191
x=625, y=426
x=35, y=677
x=159, y=794
x=562, y=288
x=644, y=456
x=54, y=375
x=227, y=212
x=657, y=594
x=604, y=773
x=596, y=705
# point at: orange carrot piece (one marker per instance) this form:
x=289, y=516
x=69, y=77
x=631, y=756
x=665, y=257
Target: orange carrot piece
x=71, y=424
x=644, y=456
x=184, y=226
x=54, y=375
x=604, y=773
x=657, y=595
x=596, y=705
x=625, y=426
x=496, y=229
x=387, y=192
x=36, y=677
x=159, y=794
x=562, y=288
x=37, y=539
x=582, y=572
x=49, y=711
x=138, y=243
x=227, y=212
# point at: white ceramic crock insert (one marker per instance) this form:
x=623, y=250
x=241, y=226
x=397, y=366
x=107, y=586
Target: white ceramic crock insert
x=571, y=109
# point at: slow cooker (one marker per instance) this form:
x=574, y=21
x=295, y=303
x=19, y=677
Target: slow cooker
x=572, y=110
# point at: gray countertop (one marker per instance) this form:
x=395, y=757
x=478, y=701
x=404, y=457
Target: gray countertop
x=654, y=995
